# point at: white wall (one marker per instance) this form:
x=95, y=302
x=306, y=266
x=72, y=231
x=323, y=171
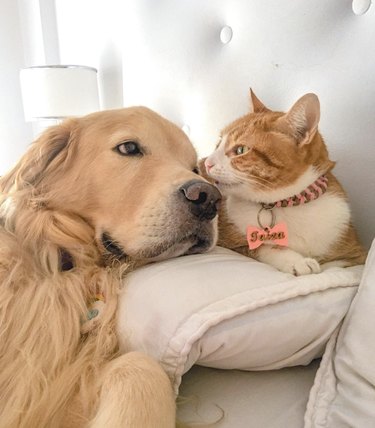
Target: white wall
x=15, y=134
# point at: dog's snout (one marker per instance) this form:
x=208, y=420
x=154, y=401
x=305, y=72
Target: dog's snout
x=203, y=198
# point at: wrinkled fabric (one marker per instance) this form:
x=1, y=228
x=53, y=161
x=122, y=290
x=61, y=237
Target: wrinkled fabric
x=224, y=310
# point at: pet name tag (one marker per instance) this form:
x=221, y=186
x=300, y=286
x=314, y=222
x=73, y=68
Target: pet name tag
x=277, y=235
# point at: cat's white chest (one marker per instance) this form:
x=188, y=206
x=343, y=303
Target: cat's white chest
x=312, y=228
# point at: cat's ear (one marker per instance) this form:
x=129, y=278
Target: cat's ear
x=256, y=106
x=302, y=119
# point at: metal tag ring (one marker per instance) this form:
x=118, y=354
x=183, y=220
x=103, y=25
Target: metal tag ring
x=273, y=218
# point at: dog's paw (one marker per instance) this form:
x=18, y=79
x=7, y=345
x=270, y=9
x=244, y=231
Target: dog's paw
x=303, y=266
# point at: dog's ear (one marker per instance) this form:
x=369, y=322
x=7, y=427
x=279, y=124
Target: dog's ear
x=52, y=149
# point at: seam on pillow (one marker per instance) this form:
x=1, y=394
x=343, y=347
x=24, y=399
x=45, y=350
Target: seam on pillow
x=280, y=292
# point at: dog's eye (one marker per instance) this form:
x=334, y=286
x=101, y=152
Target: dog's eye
x=129, y=148
x=195, y=170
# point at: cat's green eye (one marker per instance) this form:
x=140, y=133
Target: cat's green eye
x=240, y=150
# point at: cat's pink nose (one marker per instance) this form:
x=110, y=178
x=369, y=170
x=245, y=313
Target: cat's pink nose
x=208, y=165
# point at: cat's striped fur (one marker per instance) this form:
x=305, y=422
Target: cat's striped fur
x=266, y=156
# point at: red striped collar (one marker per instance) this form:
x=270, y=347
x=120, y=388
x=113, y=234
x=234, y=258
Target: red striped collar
x=312, y=192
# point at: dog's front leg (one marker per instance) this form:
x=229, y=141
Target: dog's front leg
x=135, y=392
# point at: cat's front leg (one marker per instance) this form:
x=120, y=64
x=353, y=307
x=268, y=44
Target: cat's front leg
x=287, y=260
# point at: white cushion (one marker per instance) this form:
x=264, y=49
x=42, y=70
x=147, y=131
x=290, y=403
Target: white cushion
x=344, y=389
x=225, y=310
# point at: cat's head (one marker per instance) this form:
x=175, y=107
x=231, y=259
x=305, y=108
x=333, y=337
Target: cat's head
x=266, y=155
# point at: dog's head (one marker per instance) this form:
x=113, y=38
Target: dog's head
x=132, y=175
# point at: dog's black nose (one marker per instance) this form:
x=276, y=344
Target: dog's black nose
x=203, y=198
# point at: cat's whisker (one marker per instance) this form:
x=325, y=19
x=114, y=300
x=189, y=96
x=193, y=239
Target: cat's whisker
x=264, y=180
x=246, y=176
x=264, y=187
x=260, y=182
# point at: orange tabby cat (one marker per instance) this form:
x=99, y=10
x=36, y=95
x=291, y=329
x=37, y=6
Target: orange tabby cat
x=283, y=206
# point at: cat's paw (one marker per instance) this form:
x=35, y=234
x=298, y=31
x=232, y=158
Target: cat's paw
x=288, y=260
x=303, y=266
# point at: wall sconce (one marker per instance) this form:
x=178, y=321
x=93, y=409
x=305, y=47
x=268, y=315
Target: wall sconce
x=51, y=93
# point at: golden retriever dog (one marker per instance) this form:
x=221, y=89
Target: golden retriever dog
x=91, y=199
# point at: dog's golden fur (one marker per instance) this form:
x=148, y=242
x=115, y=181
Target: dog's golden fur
x=68, y=189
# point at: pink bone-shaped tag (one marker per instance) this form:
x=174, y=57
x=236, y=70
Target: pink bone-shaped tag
x=276, y=235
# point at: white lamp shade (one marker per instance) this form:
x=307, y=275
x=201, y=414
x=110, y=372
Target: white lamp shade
x=51, y=92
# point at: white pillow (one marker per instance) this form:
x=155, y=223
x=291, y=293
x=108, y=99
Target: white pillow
x=224, y=310
x=344, y=389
